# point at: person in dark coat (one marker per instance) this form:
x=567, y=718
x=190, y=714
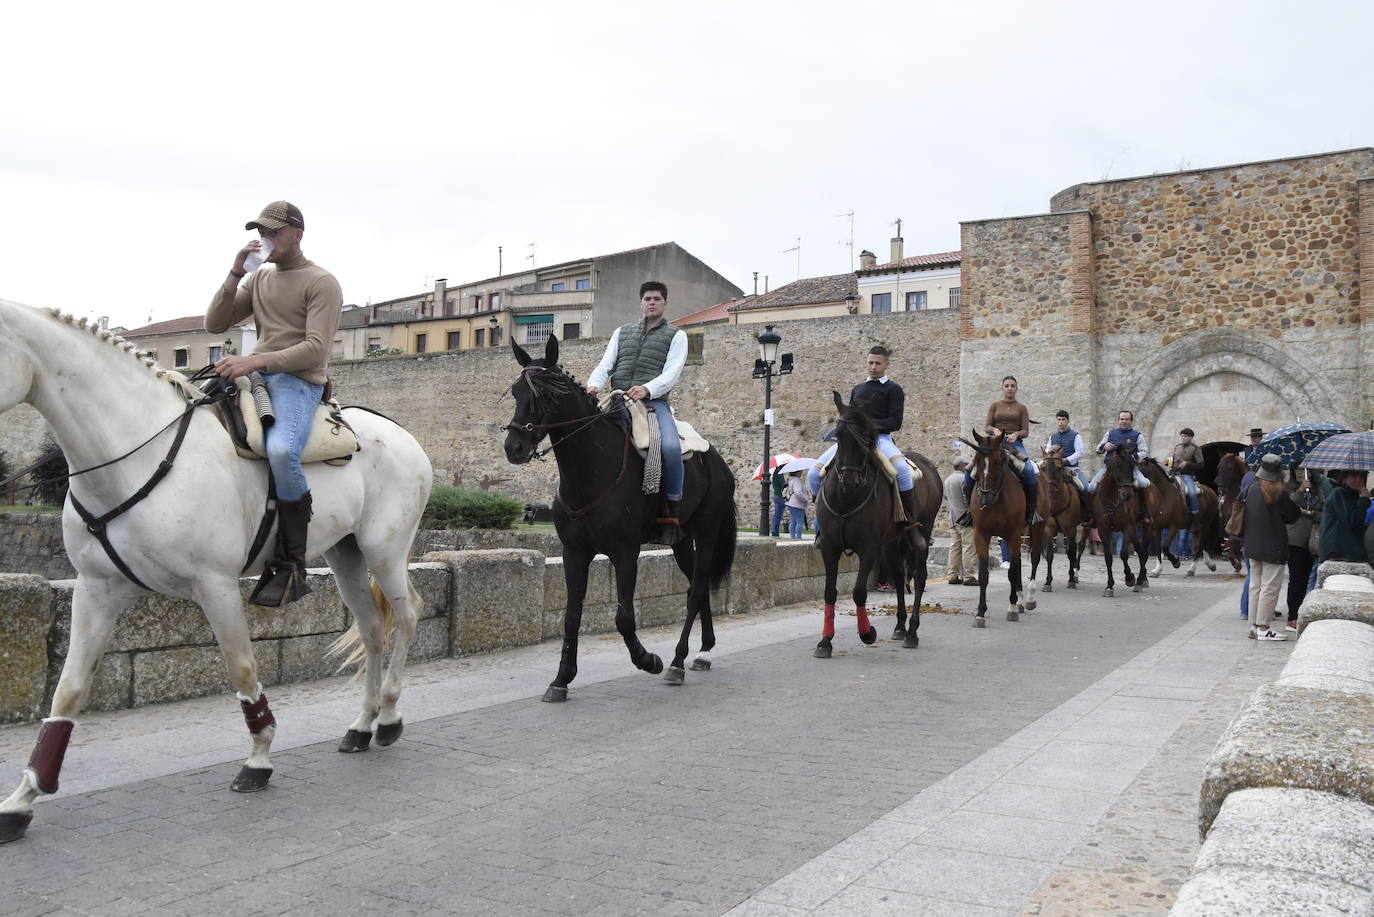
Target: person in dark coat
x=1342, y=533
x=1268, y=512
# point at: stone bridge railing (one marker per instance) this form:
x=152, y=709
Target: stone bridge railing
x=475, y=601
x=1287, y=807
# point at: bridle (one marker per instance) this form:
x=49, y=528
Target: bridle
x=850, y=476
x=1055, y=469
x=989, y=496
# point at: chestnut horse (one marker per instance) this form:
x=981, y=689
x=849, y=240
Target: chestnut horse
x=1063, y=512
x=1117, y=507
x=1172, y=517
x=1231, y=470
x=999, y=508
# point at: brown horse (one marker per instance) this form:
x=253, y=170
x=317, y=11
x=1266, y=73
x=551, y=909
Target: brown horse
x=1063, y=512
x=1231, y=470
x=1172, y=517
x=1117, y=507
x=855, y=511
x=999, y=508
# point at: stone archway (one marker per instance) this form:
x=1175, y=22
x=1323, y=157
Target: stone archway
x=1234, y=371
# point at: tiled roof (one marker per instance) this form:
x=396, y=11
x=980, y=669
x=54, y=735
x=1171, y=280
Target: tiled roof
x=717, y=313
x=939, y=259
x=175, y=326
x=806, y=291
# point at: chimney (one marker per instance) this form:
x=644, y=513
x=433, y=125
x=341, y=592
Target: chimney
x=896, y=249
x=867, y=260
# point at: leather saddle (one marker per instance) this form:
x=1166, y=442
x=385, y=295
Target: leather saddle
x=331, y=440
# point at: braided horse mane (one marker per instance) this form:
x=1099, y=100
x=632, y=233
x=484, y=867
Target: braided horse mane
x=173, y=378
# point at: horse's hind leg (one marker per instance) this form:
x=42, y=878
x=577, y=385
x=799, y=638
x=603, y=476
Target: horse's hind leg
x=94, y=614
x=691, y=564
x=223, y=608
x=918, y=575
x=350, y=576
x=402, y=612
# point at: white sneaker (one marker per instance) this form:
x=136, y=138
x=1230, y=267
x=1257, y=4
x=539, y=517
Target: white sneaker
x=1267, y=634
x=1006, y=565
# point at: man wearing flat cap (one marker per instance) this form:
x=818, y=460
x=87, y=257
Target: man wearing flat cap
x=963, y=558
x=295, y=305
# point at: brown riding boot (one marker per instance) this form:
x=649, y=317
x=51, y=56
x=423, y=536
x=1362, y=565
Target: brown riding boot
x=909, y=507
x=283, y=579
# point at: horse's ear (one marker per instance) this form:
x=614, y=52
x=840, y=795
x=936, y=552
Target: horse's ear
x=551, y=351
x=520, y=356
x=839, y=402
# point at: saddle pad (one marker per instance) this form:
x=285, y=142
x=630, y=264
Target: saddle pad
x=692, y=441
x=331, y=438
x=890, y=472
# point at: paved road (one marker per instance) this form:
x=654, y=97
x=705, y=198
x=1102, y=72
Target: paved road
x=775, y=784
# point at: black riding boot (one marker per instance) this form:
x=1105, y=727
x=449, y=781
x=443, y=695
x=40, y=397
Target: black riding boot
x=669, y=526
x=283, y=579
x=1087, y=500
x=1032, y=502
x=909, y=507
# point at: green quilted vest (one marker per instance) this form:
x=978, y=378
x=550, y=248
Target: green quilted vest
x=640, y=357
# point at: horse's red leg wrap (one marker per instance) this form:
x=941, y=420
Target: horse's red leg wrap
x=829, y=629
x=46, y=761
x=257, y=714
x=864, y=626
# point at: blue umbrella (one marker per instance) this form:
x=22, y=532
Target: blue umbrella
x=1293, y=442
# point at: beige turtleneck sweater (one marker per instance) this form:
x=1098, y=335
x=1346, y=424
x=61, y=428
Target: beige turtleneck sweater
x=295, y=305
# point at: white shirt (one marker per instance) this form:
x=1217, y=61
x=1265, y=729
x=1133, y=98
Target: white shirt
x=1077, y=450
x=659, y=385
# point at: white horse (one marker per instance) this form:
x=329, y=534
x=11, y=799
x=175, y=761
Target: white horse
x=191, y=535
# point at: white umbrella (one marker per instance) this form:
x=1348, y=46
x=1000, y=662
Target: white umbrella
x=782, y=458
x=798, y=464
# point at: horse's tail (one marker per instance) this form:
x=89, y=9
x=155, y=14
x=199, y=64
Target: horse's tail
x=724, y=557
x=350, y=642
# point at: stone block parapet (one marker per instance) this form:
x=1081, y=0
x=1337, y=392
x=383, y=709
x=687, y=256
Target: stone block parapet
x=1332, y=655
x=1332, y=568
x=1337, y=604
x=1281, y=852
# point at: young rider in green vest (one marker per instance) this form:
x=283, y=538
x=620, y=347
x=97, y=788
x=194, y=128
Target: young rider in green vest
x=644, y=360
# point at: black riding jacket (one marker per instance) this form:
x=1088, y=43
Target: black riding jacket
x=885, y=402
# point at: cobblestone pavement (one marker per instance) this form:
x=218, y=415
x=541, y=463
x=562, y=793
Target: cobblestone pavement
x=1060, y=755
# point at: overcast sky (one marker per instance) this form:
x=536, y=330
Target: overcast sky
x=136, y=139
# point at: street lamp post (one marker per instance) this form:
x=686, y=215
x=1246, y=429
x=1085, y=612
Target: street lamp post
x=763, y=369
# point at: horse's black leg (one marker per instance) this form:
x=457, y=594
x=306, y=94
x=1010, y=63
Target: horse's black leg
x=626, y=563
x=576, y=561
x=918, y=576
x=1014, y=582
x=1143, y=581
x=1049, y=563
x=831, y=557
x=896, y=573
x=981, y=619
x=686, y=559
x=1107, y=554
x=867, y=632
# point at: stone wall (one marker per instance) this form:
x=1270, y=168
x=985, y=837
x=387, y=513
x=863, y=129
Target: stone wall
x=32, y=543
x=22, y=430
x=163, y=648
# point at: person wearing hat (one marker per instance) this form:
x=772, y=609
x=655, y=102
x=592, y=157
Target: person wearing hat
x=1268, y=512
x=963, y=559
x=1256, y=434
x=295, y=305
x=1343, y=526
x=1186, y=462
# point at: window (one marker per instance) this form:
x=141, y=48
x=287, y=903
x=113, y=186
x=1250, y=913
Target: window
x=214, y=353
x=916, y=301
x=494, y=301
x=479, y=337
x=374, y=345
x=881, y=302
x=538, y=332
x=477, y=303
x=181, y=357
x=421, y=342
x=584, y=284
x=954, y=297
x=572, y=330
x=450, y=307
x=696, y=345
x=455, y=340
x=556, y=287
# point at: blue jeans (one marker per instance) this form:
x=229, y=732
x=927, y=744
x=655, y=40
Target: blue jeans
x=672, y=449
x=1245, y=592
x=779, y=504
x=1190, y=483
x=798, y=520
x=884, y=445
x=293, y=404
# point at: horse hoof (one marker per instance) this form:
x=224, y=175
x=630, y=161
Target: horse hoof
x=700, y=665
x=555, y=694
x=980, y=621
x=1191, y=573
x=1174, y=561
x=1135, y=588
x=822, y=652
x=899, y=632
x=653, y=665
x=1013, y=616
x=1108, y=593
x=1048, y=588
x=1071, y=585
x=674, y=675
x=911, y=642
x=1211, y=566
x=1031, y=605
x=251, y=779
x=355, y=741
x=871, y=637
x=388, y=733
x=13, y=825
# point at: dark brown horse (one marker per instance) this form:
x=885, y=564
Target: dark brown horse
x=998, y=506
x=1117, y=507
x=1172, y=516
x=1063, y=512
x=1231, y=470
x=855, y=511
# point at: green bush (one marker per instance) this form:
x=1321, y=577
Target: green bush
x=461, y=508
x=385, y=352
